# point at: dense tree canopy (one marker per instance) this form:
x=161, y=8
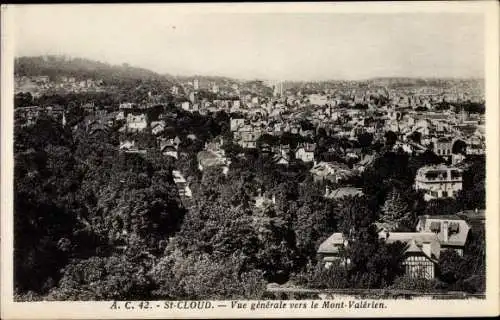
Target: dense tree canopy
x=109, y=225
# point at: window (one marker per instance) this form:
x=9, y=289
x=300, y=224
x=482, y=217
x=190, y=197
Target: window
x=435, y=226
x=445, y=194
x=455, y=174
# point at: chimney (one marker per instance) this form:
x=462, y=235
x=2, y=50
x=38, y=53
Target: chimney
x=274, y=199
x=445, y=231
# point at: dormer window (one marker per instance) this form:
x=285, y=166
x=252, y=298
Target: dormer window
x=435, y=227
x=454, y=227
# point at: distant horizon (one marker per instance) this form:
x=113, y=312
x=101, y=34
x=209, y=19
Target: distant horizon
x=297, y=46
x=253, y=79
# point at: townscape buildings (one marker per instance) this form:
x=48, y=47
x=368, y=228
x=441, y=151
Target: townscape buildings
x=343, y=110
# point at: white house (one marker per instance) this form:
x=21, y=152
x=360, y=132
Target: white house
x=305, y=152
x=157, y=127
x=439, y=181
x=136, y=122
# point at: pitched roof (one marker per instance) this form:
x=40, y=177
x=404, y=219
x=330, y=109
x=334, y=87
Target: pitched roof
x=209, y=158
x=458, y=229
x=281, y=158
x=344, y=192
x=472, y=214
x=327, y=168
x=406, y=236
x=332, y=244
x=414, y=241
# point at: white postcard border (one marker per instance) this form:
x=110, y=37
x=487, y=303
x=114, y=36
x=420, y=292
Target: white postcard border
x=402, y=308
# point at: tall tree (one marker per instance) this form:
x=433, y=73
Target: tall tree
x=396, y=214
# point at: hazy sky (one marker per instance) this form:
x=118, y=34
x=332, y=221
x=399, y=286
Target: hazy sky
x=309, y=46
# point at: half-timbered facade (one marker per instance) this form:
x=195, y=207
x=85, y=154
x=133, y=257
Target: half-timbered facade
x=421, y=252
x=419, y=266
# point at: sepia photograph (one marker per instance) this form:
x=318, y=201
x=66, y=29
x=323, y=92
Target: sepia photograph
x=249, y=158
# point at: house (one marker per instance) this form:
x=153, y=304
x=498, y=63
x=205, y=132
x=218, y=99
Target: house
x=248, y=137
x=237, y=123
x=126, y=105
x=330, y=250
x=352, y=156
x=282, y=148
x=136, y=122
x=127, y=144
x=318, y=100
x=474, y=218
x=168, y=147
x=421, y=253
x=330, y=171
x=475, y=148
x=277, y=128
x=88, y=107
x=423, y=126
x=263, y=201
x=282, y=158
x=207, y=159
x=442, y=146
x=452, y=231
x=157, y=127
x=305, y=152
x=130, y=146
x=27, y=116
x=342, y=192
x=182, y=185
x=439, y=181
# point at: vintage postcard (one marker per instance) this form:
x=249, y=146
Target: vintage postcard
x=254, y=160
